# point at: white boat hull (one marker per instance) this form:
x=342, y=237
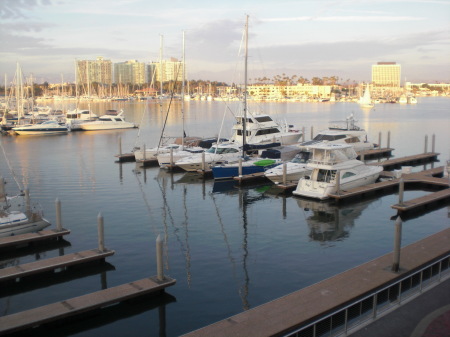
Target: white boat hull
x=23, y=228
x=98, y=125
x=294, y=172
x=321, y=190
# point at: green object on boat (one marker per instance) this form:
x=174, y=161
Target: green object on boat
x=264, y=162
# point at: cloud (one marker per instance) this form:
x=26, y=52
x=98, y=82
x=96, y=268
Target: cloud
x=13, y=9
x=345, y=19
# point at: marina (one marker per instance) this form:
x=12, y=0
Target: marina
x=231, y=247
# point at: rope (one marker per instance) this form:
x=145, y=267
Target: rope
x=10, y=167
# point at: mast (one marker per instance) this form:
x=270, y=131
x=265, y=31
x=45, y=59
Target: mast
x=160, y=65
x=244, y=122
x=182, y=91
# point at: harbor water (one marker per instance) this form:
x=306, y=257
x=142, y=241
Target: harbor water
x=229, y=248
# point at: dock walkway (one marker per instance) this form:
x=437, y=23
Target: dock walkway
x=78, y=305
x=294, y=310
x=40, y=266
x=408, y=160
x=29, y=238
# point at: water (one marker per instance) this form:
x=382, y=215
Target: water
x=229, y=248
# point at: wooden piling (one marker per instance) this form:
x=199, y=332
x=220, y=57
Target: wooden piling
x=2, y=188
x=159, y=258
x=303, y=134
x=203, y=162
x=401, y=189
x=101, y=242
x=397, y=245
x=240, y=168
x=338, y=181
x=284, y=173
x=120, y=146
x=312, y=132
x=389, y=139
x=433, y=142
x=426, y=144
x=58, y=215
x=379, y=140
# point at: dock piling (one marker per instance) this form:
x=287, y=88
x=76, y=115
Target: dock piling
x=312, y=132
x=101, y=242
x=433, y=143
x=27, y=201
x=401, y=190
x=426, y=144
x=379, y=140
x=240, y=167
x=159, y=258
x=120, y=146
x=144, y=153
x=338, y=181
x=171, y=157
x=203, y=161
x=397, y=245
x=388, y=140
x=58, y=215
x=303, y=134
x=284, y=173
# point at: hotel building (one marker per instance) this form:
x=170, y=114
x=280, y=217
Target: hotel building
x=90, y=71
x=386, y=74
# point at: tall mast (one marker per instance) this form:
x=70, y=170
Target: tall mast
x=244, y=123
x=160, y=65
x=182, y=91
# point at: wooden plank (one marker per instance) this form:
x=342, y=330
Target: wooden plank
x=421, y=201
x=23, y=239
x=405, y=160
x=41, y=266
x=77, y=305
x=342, y=194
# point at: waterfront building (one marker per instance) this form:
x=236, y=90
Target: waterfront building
x=165, y=71
x=387, y=74
x=130, y=72
x=94, y=71
x=282, y=92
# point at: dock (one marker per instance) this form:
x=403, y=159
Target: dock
x=375, y=153
x=61, y=310
x=31, y=238
x=60, y=262
x=413, y=160
x=299, y=309
x=125, y=157
x=422, y=201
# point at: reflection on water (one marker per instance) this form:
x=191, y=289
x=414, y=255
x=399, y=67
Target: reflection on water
x=328, y=222
x=225, y=244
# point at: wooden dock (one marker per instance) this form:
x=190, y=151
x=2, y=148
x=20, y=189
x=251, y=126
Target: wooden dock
x=30, y=238
x=414, y=160
x=148, y=162
x=422, y=201
x=296, y=309
x=375, y=153
x=125, y=157
x=60, y=310
x=40, y=266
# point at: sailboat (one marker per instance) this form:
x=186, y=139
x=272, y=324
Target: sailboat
x=366, y=101
x=263, y=132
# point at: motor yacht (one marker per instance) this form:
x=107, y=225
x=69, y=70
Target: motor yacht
x=107, y=122
x=295, y=169
x=49, y=127
x=335, y=167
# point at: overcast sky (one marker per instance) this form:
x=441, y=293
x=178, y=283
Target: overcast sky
x=296, y=37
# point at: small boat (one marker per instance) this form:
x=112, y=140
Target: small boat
x=154, y=153
x=216, y=154
x=14, y=222
x=108, y=122
x=335, y=167
x=295, y=169
x=250, y=165
x=50, y=127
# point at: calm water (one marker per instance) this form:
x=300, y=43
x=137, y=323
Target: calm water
x=229, y=248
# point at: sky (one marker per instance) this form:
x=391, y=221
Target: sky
x=308, y=38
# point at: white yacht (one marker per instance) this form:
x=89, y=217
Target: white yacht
x=295, y=169
x=330, y=161
x=154, y=153
x=342, y=132
x=263, y=132
x=75, y=117
x=216, y=154
x=50, y=127
x=107, y=122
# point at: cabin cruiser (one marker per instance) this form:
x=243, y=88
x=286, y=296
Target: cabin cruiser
x=334, y=167
x=107, y=122
x=342, y=132
x=49, y=127
x=295, y=169
x=216, y=154
x=263, y=132
x=75, y=117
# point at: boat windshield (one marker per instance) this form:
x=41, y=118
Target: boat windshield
x=301, y=158
x=322, y=137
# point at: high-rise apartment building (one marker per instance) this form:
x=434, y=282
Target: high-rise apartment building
x=90, y=71
x=386, y=74
x=130, y=72
x=171, y=70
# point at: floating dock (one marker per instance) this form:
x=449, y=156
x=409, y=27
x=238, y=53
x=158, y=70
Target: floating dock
x=30, y=238
x=59, y=262
x=60, y=310
x=375, y=153
x=125, y=157
x=282, y=315
x=414, y=160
